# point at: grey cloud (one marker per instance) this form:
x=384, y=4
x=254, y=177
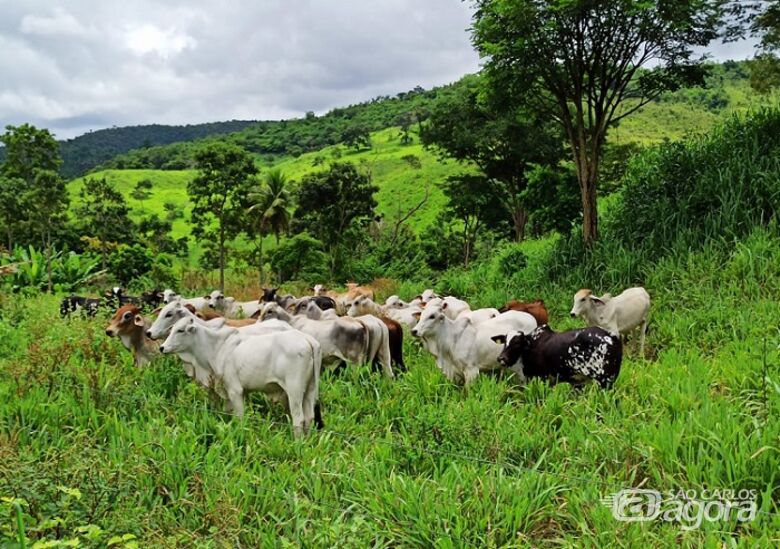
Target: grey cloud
x=89, y=64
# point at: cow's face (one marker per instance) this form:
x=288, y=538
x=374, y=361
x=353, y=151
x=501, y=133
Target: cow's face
x=216, y=299
x=581, y=302
x=357, y=307
x=427, y=321
x=168, y=296
x=166, y=319
x=180, y=337
x=319, y=289
x=124, y=321
x=514, y=345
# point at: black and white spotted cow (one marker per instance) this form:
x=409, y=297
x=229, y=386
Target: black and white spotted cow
x=74, y=303
x=575, y=356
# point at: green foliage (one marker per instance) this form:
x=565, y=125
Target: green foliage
x=27, y=269
x=553, y=199
x=474, y=204
x=503, y=141
x=300, y=257
x=510, y=259
x=581, y=60
x=273, y=139
x=83, y=153
x=130, y=262
x=33, y=195
x=332, y=204
x=716, y=187
x=219, y=195
x=103, y=217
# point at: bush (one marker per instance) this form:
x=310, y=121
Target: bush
x=300, y=258
x=130, y=262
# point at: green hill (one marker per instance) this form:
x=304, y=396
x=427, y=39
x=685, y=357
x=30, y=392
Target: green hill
x=403, y=172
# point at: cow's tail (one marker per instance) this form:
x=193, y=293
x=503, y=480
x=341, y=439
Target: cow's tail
x=316, y=368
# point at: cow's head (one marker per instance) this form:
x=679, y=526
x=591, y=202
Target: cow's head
x=216, y=299
x=269, y=294
x=585, y=301
x=514, y=345
x=124, y=321
x=168, y=295
x=428, y=320
x=357, y=307
x=319, y=289
x=168, y=316
x=180, y=336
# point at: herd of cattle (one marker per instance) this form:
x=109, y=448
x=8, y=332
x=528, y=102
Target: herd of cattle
x=278, y=344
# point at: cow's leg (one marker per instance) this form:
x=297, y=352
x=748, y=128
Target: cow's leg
x=296, y=413
x=236, y=399
x=469, y=375
x=642, y=338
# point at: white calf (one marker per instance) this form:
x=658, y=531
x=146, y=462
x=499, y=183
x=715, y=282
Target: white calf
x=462, y=347
x=617, y=315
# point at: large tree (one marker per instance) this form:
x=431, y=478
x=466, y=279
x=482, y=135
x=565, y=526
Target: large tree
x=590, y=63
x=332, y=203
x=218, y=194
x=503, y=141
x=30, y=181
x=103, y=216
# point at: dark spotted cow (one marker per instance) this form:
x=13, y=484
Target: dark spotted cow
x=575, y=356
x=74, y=303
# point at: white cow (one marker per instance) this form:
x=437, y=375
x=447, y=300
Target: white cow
x=463, y=347
x=404, y=315
x=455, y=308
x=617, y=315
x=199, y=303
x=348, y=339
x=285, y=365
x=175, y=311
x=231, y=308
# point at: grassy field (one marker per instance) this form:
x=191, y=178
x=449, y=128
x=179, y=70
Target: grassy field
x=94, y=449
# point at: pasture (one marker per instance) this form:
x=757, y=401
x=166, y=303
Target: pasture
x=93, y=449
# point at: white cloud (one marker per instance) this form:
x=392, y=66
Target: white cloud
x=59, y=23
x=164, y=42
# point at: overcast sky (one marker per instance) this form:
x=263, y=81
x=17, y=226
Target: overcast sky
x=89, y=64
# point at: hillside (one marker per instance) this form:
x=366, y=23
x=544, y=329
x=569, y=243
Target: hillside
x=82, y=153
x=403, y=172
x=393, y=166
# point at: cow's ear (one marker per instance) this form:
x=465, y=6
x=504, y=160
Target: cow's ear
x=416, y=315
x=138, y=320
x=597, y=301
x=417, y=297
x=157, y=311
x=500, y=339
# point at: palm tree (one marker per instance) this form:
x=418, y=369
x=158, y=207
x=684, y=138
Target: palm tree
x=269, y=210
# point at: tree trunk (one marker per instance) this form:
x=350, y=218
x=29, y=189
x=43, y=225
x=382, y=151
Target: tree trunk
x=221, y=258
x=520, y=218
x=260, y=250
x=48, y=261
x=590, y=232
x=587, y=177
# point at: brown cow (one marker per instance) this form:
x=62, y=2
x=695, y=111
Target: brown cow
x=535, y=308
x=128, y=324
x=396, y=340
